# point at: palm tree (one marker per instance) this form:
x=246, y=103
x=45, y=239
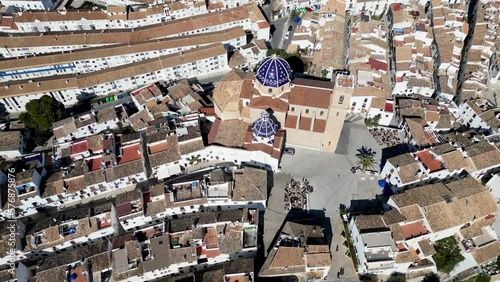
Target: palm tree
x=366, y=158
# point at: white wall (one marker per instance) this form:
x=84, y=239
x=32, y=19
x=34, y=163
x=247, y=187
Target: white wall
x=52, y=26
x=10, y=155
x=70, y=97
x=96, y=64
x=385, y=117
x=214, y=152
x=246, y=24
x=31, y=5
x=470, y=118
x=360, y=104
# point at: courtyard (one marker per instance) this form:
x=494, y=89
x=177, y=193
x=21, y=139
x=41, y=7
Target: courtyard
x=334, y=185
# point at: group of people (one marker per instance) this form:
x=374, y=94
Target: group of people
x=385, y=136
x=340, y=272
x=296, y=194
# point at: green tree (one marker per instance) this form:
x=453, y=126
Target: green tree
x=447, y=255
x=396, y=277
x=376, y=120
x=294, y=60
x=431, y=277
x=42, y=113
x=278, y=52
x=368, y=277
x=483, y=278
x=365, y=158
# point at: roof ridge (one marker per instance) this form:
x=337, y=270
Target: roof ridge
x=255, y=186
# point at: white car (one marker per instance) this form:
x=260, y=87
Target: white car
x=287, y=35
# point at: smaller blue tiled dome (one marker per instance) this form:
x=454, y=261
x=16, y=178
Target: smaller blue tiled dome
x=264, y=126
x=273, y=72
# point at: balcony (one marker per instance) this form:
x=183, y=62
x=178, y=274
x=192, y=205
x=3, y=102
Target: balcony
x=68, y=228
x=103, y=222
x=181, y=240
x=26, y=189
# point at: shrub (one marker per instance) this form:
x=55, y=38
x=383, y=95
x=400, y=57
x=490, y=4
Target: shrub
x=447, y=255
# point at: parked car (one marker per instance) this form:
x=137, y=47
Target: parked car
x=287, y=35
x=290, y=28
x=289, y=151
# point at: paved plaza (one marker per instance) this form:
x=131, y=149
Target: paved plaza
x=334, y=184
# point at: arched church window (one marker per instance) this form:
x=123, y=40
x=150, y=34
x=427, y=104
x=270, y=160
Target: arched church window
x=341, y=99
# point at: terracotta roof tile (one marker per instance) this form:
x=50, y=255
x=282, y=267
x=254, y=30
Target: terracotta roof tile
x=130, y=153
x=319, y=125
x=288, y=256
x=427, y=247
x=264, y=103
x=310, y=97
x=305, y=123
x=486, y=253
x=108, y=75
x=230, y=133
x=291, y=121
x=413, y=230
x=429, y=161
x=368, y=91
x=133, y=35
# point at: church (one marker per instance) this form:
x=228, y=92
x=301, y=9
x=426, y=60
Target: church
x=308, y=113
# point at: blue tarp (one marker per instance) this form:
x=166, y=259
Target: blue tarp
x=381, y=183
x=297, y=20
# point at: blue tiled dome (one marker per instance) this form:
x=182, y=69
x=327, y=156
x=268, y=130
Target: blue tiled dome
x=273, y=72
x=264, y=126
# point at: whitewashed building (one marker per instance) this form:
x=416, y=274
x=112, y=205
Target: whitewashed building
x=32, y=4
x=69, y=90
x=89, y=123
x=403, y=238
x=479, y=113
x=248, y=17
x=12, y=144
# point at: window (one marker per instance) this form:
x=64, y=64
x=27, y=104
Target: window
x=353, y=104
x=321, y=113
x=307, y=111
x=337, y=113
x=270, y=90
x=293, y=109
x=341, y=99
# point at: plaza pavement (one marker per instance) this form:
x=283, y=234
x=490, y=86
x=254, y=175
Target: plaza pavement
x=334, y=184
